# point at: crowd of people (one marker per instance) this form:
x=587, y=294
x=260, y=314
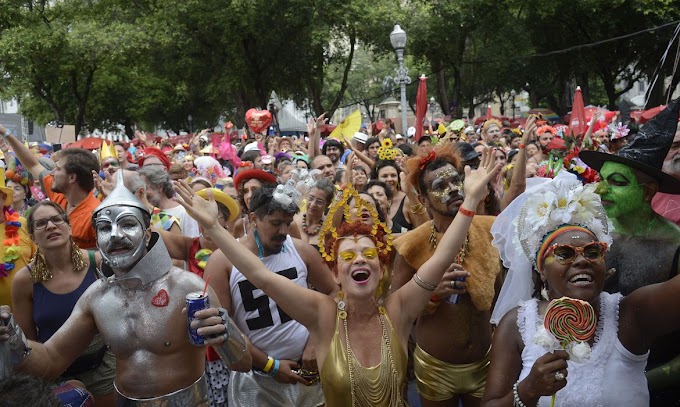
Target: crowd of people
x=336, y=271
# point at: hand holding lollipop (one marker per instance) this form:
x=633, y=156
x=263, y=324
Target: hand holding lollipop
x=573, y=323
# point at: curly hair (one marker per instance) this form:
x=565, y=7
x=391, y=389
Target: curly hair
x=443, y=154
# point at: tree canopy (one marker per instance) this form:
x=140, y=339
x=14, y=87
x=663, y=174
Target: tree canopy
x=148, y=63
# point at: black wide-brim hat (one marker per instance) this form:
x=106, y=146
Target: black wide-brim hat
x=647, y=151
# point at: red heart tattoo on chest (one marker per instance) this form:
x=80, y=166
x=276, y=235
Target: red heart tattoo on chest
x=161, y=299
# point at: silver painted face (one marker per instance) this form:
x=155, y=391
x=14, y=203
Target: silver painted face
x=120, y=236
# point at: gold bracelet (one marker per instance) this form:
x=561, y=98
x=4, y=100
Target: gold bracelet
x=417, y=208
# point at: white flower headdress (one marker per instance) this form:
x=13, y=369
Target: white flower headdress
x=521, y=228
x=565, y=201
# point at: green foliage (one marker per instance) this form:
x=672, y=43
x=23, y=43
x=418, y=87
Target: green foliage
x=106, y=63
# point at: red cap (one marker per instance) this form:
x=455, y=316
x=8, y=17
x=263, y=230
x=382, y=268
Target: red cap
x=156, y=153
x=245, y=175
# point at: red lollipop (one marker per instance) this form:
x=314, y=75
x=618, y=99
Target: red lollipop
x=570, y=320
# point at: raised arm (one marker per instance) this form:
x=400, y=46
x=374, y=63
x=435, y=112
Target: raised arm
x=25, y=156
x=414, y=295
x=300, y=303
x=363, y=157
x=518, y=184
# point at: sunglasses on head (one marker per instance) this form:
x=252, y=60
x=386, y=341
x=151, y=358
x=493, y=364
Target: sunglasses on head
x=566, y=253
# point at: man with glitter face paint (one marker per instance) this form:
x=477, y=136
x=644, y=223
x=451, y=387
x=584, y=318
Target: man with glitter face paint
x=453, y=337
x=139, y=312
x=630, y=179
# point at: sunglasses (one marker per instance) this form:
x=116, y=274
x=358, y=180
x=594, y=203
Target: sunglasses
x=566, y=254
x=369, y=253
x=40, y=224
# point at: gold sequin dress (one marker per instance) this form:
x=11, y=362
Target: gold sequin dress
x=346, y=383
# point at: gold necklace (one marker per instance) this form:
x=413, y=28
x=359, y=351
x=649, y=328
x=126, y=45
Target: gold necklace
x=434, y=242
x=367, y=392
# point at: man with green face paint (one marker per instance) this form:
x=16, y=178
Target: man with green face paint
x=646, y=245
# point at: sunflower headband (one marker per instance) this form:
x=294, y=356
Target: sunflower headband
x=386, y=151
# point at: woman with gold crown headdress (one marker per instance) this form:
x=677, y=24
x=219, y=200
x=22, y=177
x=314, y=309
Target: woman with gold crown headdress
x=359, y=337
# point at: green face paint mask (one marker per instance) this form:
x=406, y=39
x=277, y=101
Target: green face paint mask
x=620, y=191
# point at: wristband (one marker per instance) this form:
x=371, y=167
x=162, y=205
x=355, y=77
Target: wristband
x=434, y=298
x=522, y=145
x=275, y=370
x=268, y=365
x=466, y=212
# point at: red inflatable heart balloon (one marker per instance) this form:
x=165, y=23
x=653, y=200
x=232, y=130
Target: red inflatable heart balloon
x=258, y=120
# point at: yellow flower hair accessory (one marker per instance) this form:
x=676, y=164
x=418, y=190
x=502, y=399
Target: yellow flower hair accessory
x=386, y=150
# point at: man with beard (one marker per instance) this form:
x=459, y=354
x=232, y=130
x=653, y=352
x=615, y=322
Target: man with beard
x=326, y=166
x=138, y=311
x=668, y=205
x=70, y=185
x=333, y=149
x=453, y=336
x=630, y=178
x=281, y=357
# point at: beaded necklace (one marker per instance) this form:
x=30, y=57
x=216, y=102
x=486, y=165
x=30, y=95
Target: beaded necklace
x=434, y=242
x=314, y=231
x=367, y=392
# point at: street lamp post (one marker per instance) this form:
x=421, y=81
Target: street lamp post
x=191, y=126
x=512, y=104
x=398, y=40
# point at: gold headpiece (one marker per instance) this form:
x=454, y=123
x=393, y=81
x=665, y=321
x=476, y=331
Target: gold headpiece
x=385, y=151
x=107, y=151
x=329, y=235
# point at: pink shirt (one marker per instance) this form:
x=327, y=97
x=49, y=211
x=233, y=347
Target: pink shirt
x=668, y=206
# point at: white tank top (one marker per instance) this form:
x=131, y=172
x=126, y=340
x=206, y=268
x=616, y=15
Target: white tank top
x=267, y=326
x=613, y=376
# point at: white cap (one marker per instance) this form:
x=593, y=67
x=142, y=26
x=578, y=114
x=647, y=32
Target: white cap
x=251, y=146
x=267, y=159
x=360, y=137
x=411, y=132
x=398, y=137
x=469, y=129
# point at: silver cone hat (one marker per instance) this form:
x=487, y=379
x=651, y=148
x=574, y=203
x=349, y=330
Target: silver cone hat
x=120, y=196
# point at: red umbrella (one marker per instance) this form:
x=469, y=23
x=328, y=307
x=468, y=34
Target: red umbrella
x=421, y=106
x=649, y=114
x=88, y=143
x=577, y=121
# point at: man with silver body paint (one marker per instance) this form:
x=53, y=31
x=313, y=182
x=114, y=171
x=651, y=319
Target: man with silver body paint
x=139, y=312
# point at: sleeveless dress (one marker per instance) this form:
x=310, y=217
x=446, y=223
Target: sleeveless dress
x=336, y=377
x=612, y=377
x=399, y=218
x=96, y=367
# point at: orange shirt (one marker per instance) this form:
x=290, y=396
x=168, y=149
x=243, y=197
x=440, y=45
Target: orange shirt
x=80, y=217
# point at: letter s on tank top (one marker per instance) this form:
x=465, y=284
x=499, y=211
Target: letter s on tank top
x=267, y=326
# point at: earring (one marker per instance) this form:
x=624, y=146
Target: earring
x=544, y=291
